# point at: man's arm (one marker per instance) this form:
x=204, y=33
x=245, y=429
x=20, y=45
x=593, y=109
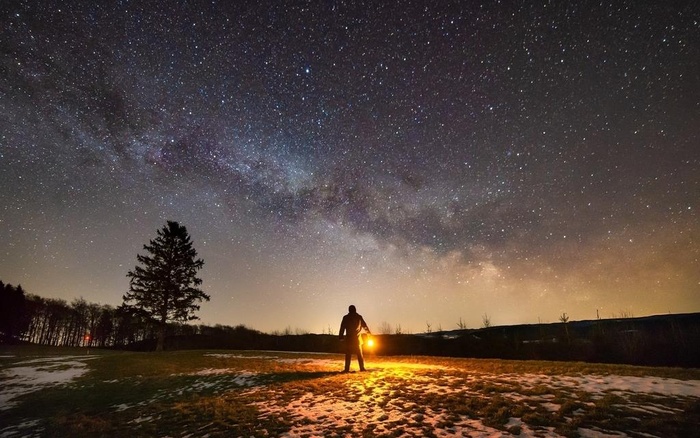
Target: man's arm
x=364, y=325
x=341, y=333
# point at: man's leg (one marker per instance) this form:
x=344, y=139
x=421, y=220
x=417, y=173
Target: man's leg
x=360, y=358
x=348, y=358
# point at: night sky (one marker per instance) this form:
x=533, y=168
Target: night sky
x=425, y=161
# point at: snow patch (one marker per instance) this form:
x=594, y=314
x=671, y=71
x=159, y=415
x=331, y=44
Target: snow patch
x=33, y=375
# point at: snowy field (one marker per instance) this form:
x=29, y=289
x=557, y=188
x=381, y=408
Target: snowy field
x=303, y=395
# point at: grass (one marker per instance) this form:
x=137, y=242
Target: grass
x=196, y=393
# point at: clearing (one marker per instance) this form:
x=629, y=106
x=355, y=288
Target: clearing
x=255, y=393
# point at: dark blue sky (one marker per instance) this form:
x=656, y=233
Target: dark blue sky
x=426, y=161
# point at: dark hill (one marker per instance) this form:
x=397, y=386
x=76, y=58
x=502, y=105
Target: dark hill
x=660, y=340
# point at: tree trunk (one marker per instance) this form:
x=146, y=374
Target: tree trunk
x=161, y=337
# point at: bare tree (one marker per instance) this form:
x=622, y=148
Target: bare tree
x=384, y=328
x=624, y=314
x=486, y=320
x=564, y=318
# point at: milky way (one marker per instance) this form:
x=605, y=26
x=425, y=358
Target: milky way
x=430, y=162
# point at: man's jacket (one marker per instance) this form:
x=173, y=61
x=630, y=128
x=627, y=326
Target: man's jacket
x=353, y=323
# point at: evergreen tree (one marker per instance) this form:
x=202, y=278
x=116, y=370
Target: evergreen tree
x=13, y=320
x=164, y=287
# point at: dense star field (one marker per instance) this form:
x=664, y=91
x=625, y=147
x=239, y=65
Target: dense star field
x=429, y=162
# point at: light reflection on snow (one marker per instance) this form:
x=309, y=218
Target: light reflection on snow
x=382, y=409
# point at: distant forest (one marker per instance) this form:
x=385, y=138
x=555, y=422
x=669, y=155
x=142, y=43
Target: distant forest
x=49, y=321
x=662, y=340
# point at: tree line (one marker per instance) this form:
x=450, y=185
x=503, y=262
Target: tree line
x=28, y=318
x=50, y=321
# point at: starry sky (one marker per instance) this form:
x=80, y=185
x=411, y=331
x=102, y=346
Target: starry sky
x=429, y=162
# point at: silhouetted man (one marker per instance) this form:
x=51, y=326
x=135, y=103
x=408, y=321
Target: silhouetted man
x=352, y=324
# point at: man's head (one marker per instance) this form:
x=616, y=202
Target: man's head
x=352, y=309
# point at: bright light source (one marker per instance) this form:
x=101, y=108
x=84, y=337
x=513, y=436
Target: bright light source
x=370, y=342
